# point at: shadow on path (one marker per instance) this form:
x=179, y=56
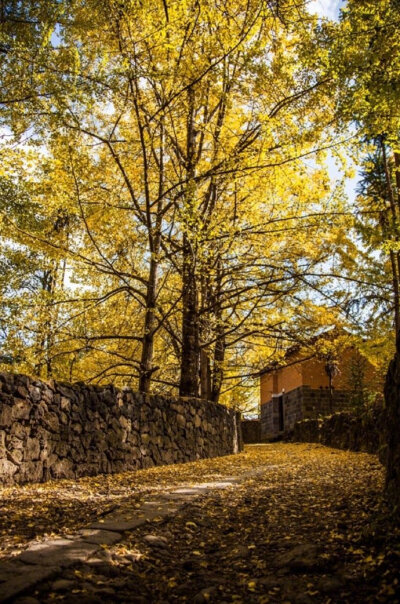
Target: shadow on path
x=302, y=526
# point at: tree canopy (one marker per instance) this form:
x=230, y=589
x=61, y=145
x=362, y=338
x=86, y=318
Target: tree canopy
x=167, y=216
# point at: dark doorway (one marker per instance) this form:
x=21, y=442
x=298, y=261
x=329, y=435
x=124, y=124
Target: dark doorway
x=280, y=411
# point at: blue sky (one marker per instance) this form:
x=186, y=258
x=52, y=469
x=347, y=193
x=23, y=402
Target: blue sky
x=330, y=9
x=326, y=8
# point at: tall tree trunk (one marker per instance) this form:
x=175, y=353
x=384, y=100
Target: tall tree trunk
x=49, y=325
x=392, y=385
x=205, y=385
x=392, y=403
x=397, y=176
x=218, y=372
x=204, y=326
x=146, y=361
x=394, y=257
x=395, y=286
x=190, y=356
x=47, y=338
x=220, y=344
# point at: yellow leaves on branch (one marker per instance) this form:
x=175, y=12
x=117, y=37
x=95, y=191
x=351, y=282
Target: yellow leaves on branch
x=158, y=123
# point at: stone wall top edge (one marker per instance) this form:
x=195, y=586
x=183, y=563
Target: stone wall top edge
x=304, y=388
x=8, y=376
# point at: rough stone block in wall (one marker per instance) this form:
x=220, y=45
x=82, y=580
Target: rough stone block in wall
x=317, y=402
x=292, y=407
x=266, y=419
x=251, y=431
x=57, y=430
x=347, y=430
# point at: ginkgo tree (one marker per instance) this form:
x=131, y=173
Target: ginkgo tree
x=364, y=61
x=171, y=138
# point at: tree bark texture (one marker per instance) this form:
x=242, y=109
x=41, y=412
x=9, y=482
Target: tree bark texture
x=146, y=360
x=392, y=402
x=190, y=359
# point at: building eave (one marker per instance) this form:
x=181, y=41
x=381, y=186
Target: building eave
x=271, y=368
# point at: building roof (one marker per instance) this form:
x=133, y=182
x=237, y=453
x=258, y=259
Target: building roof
x=290, y=355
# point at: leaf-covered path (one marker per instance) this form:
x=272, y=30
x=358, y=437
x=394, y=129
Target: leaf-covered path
x=302, y=525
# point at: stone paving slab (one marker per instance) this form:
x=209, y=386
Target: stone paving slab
x=160, y=507
x=100, y=537
x=60, y=552
x=119, y=525
x=188, y=491
x=44, y=560
x=150, y=511
x=9, y=569
x=21, y=581
x=182, y=497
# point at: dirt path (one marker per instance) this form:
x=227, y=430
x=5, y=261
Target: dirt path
x=299, y=524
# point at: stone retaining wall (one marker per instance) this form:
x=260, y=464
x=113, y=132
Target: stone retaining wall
x=346, y=430
x=300, y=403
x=251, y=431
x=56, y=430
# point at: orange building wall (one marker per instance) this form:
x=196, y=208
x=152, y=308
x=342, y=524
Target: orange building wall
x=266, y=389
x=287, y=378
x=311, y=372
x=344, y=378
x=291, y=378
x=314, y=374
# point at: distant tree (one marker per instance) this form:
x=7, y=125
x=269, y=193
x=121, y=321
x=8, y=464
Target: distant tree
x=365, y=64
x=175, y=136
